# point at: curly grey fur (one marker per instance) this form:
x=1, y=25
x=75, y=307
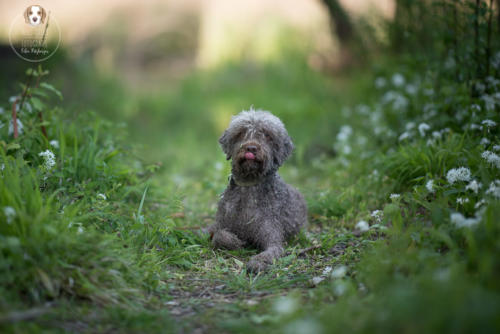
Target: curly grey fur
x=257, y=209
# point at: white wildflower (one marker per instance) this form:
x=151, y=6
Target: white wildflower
x=346, y=149
x=489, y=123
x=429, y=108
x=430, y=186
x=411, y=89
x=460, y=221
x=19, y=127
x=410, y=125
x=496, y=148
x=394, y=196
x=380, y=82
x=494, y=189
x=54, y=143
x=49, y=159
x=102, y=196
x=489, y=102
x=316, y=280
x=462, y=200
x=362, y=226
x=327, y=270
x=437, y=134
x=218, y=166
x=339, y=272
x=2, y=111
x=339, y=288
x=28, y=107
x=474, y=126
x=475, y=107
x=10, y=214
x=285, y=305
x=377, y=215
x=478, y=204
x=404, y=135
x=422, y=128
x=484, y=141
x=398, y=80
x=492, y=81
x=345, y=133
x=491, y=158
x=474, y=186
x=458, y=174
x=398, y=101
x=80, y=230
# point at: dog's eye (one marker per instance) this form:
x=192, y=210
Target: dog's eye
x=31, y=13
x=268, y=136
x=238, y=136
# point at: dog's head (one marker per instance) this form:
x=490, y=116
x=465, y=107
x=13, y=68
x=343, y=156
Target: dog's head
x=258, y=144
x=35, y=15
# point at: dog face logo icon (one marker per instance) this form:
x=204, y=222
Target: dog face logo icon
x=35, y=15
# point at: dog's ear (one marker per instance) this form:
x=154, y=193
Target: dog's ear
x=44, y=14
x=225, y=144
x=283, y=152
x=26, y=13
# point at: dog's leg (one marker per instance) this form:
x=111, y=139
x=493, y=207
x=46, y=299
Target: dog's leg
x=225, y=239
x=262, y=260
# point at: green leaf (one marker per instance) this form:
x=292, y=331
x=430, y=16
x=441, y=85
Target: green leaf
x=37, y=104
x=139, y=211
x=52, y=89
x=39, y=92
x=47, y=282
x=393, y=212
x=12, y=147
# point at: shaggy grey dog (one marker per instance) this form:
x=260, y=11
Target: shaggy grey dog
x=257, y=209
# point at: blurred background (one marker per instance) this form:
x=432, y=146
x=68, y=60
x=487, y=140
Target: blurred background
x=177, y=70
x=164, y=40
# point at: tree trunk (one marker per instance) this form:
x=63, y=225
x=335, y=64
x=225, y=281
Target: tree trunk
x=341, y=24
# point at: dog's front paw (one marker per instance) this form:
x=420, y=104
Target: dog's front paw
x=256, y=265
x=259, y=262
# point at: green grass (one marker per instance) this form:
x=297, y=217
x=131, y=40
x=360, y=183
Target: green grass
x=110, y=239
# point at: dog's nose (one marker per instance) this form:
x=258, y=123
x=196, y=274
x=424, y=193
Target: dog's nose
x=252, y=148
x=34, y=19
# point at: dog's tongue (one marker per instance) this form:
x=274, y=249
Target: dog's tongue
x=249, y=156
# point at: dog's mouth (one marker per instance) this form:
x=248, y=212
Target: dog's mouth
x=249, y=159
x=249, y=164
x=249, y=156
